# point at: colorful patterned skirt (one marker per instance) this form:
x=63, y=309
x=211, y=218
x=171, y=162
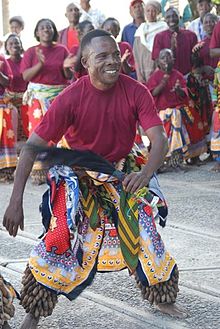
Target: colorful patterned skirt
x=215, y=130
x=93, y=225
x=8, y=155
x=38, y=98
x=21, y=118
x=174, y=123
x=215, y=135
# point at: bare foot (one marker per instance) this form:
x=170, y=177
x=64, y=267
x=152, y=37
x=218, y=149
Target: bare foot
x=172, y=310
x=29, y=322
x=216, y=167
x=6, y=326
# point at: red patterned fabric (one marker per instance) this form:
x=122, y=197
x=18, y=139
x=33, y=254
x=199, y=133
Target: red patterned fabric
x=58, y=240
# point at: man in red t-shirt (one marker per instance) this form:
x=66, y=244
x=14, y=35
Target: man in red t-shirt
x=69, y=35
x=100, y=112
x=180, y=41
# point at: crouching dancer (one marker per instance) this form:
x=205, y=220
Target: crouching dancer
x=88, y=214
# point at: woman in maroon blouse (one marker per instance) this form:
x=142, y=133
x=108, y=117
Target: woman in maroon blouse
x=47, y=68
x=17, y=86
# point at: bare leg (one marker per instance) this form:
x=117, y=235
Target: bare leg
x=30, y=322
x=172, y=310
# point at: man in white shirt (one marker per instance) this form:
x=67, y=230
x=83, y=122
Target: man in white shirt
x=93, y=14
x=203, y=7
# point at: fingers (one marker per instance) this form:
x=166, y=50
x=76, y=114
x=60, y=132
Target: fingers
x=10, y=227
x=13, y=222
x=134, y=182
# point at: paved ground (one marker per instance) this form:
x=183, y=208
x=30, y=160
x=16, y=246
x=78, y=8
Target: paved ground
x=192, y=235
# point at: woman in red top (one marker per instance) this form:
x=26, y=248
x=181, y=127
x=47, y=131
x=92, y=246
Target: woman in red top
x=47, y=68
x=168, y=88
x=200, y=87
x=17, y=86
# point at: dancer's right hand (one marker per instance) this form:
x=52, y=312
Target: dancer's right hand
x=13, y=218
x=40, y=56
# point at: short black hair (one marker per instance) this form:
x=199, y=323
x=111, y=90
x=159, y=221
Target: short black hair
x=55, y=34
x=17, y=19
x=174, y=9
x=86, y=40
x=11, y=36
x=109, y=19
x=81, y=26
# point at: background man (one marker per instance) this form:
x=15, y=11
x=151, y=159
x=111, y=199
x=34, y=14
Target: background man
x=69, y=35
x=137, y=13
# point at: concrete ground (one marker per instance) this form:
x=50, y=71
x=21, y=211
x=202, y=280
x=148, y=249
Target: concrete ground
x=192, y=235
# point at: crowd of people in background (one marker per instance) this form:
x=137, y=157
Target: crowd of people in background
x=177, y=61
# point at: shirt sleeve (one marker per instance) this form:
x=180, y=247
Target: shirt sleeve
x=156, y=47
x=215, y=39
x=58, y=118
x=146, y=109
x=27, y=60
x=5, y=68
x=123, y=35
x=152, y=82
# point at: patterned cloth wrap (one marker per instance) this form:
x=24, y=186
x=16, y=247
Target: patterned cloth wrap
x=38, y=97
x=15, y=100
x=174, y=123
x=92, y=224
x=8, y=154
x=215, y=130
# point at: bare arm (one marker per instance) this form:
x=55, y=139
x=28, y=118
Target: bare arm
x=214, y=52
x=32, y=71
x=4, y=80
x=126, y=67
x=157, y=90
x=159, y=147
x=68, y=64
x=14, y=217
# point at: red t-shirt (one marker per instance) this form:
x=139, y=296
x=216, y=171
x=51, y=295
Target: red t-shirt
x=17, y=83
x=186, y=40
x=102, y=121
x=204, y=54
x=168, y=98
x=215, y=39
x=72, y=38
x=52, y=71
x=6, y=70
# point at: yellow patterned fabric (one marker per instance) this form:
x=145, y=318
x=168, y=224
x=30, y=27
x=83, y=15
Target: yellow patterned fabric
x=102, y=240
